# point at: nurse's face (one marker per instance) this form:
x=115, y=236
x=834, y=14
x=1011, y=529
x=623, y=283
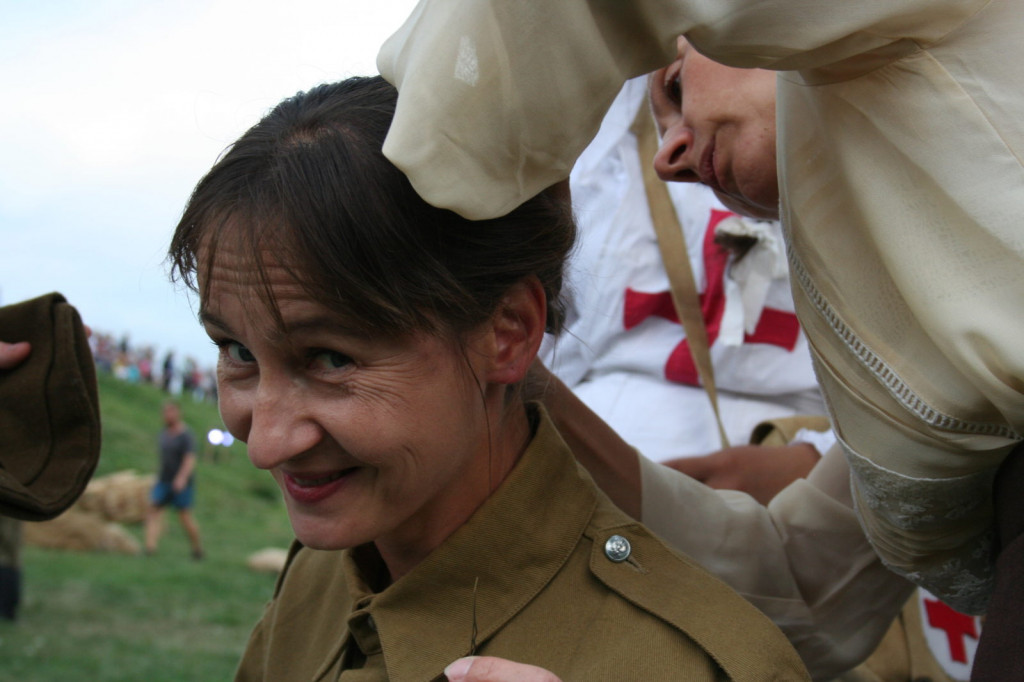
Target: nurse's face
x=370, y=439
x=718, y=128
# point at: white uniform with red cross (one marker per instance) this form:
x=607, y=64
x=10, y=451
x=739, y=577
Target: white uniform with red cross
x=625, y=353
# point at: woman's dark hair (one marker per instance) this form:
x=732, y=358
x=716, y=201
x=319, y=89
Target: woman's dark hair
x=309, y=184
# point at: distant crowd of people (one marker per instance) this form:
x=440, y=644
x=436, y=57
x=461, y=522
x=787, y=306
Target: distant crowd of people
x=138, y=364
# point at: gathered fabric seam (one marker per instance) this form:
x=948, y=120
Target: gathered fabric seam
x=881, y=370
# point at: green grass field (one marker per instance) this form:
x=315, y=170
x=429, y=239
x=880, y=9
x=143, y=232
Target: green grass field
x=108, y=617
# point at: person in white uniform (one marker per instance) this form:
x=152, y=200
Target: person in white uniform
x=900, y=178
x=624, y=351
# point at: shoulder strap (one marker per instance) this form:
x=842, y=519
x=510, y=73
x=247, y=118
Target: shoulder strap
x=676, y=260
x=701, y=606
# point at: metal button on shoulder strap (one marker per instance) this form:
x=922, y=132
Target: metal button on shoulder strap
x=617, y=548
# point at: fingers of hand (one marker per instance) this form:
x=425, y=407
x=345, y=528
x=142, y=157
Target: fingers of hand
x=490, y=669
x=13, y=354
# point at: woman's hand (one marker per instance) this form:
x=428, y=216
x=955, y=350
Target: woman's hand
x=490, y=669
x=13, y=354
x=761, y=471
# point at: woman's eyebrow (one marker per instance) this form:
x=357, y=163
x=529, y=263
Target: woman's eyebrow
x=208, y=319
x=319, y=322
x=322, y=322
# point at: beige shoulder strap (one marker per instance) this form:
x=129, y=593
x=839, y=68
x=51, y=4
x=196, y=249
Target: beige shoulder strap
x=676, y=260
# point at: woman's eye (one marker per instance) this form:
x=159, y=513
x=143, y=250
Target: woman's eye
x=674, y=90
x=238, y=353
x=329, y=359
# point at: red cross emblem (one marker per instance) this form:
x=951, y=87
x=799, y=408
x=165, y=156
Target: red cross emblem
x=776, y=327
x=956, y=625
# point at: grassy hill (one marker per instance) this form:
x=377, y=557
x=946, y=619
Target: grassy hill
x=107, y=617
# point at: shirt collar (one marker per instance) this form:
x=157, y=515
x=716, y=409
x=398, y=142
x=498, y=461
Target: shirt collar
x=493, y=565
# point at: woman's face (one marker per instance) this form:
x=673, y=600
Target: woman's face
x=718, y=128
x=370, y=439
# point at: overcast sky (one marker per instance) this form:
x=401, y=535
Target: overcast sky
x=113, y=109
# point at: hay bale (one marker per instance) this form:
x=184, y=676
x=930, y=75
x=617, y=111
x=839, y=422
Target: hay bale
x=268, y=560
x=93, y=523
x=122, y=496
x=82, y=531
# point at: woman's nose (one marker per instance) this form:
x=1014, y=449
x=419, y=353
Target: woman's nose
x=282, y=427
x=676, y=157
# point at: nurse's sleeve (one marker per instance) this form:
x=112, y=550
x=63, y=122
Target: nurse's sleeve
x=803, y=560
x=497, y=99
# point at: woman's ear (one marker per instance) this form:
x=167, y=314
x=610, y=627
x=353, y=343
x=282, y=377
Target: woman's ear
x=515, y=331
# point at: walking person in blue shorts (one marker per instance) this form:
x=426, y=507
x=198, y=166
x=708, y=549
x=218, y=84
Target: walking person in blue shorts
x=175, y=483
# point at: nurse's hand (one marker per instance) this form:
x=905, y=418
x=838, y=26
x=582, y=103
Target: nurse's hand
x=490, y=669
x=758, y=470
x=13, y=354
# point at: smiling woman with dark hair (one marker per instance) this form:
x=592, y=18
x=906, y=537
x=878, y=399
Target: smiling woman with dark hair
x=371, y=347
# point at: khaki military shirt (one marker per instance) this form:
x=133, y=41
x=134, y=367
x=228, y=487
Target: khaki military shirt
x=547, y=572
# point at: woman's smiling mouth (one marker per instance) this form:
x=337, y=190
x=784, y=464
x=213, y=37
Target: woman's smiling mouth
x=309, y=488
